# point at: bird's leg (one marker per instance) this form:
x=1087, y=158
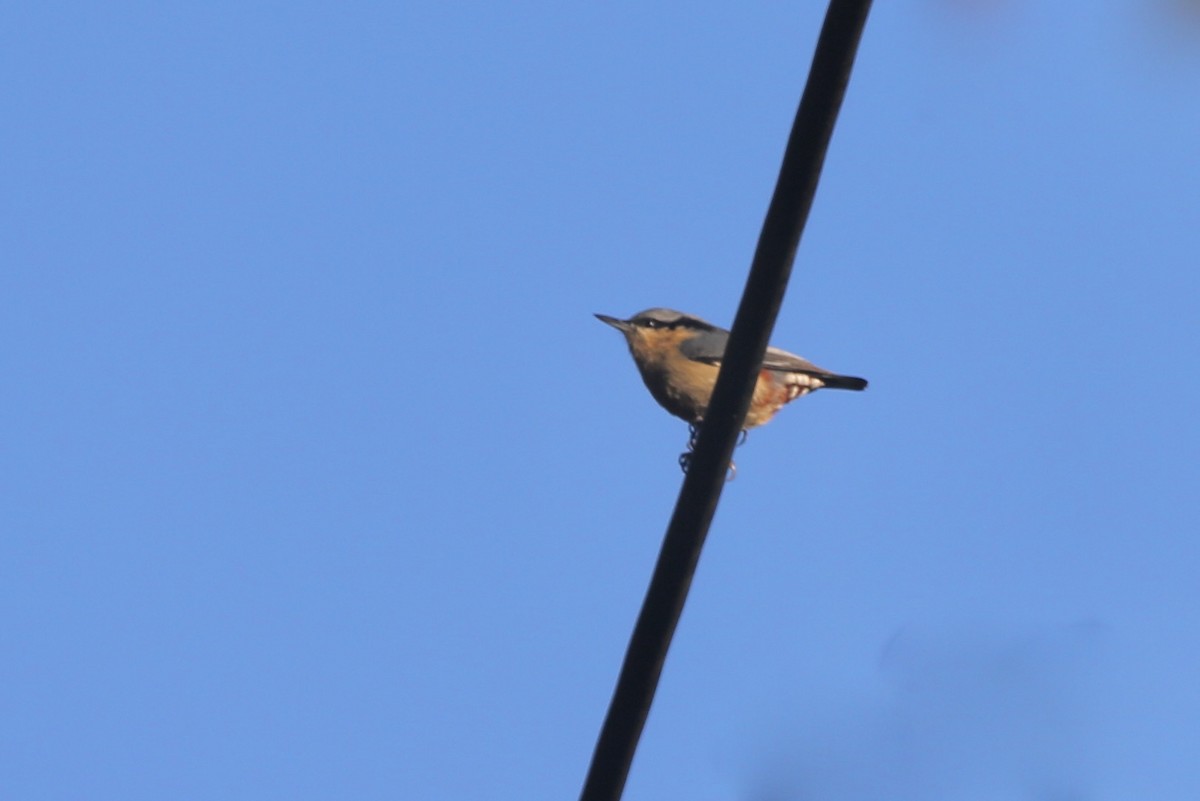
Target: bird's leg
x=685, y=458
x=742, y=438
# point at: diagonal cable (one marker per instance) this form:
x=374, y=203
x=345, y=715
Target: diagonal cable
x=761, y=299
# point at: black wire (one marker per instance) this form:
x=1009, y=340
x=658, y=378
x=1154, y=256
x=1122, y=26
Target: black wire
x=697, y=503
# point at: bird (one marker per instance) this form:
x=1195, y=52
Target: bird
x=679, y=356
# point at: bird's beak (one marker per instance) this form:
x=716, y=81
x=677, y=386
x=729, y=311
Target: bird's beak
x=621, y=325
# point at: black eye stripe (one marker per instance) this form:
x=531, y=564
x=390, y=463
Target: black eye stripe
x=660, y=324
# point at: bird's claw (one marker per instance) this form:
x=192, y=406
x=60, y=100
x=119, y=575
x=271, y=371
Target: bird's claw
x=685, y=458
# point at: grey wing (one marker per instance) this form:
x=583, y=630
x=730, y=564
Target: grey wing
x=709, y=347
x=777, y=359
x=706, y=346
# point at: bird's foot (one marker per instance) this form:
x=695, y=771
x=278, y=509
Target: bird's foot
x=694, y=435
x=685, y=461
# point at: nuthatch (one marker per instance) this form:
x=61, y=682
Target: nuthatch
x=679, y=356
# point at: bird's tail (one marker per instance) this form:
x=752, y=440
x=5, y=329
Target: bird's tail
x=844, y=382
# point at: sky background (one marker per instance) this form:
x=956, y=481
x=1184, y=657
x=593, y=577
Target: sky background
x=320, y=480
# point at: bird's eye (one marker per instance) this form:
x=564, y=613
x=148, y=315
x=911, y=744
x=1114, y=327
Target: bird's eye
x=653, y=324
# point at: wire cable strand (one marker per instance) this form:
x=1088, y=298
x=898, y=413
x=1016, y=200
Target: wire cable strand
x=701, y=490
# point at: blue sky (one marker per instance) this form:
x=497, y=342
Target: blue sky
x=322, y=482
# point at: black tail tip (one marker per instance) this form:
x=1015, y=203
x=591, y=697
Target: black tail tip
x=845, y=382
